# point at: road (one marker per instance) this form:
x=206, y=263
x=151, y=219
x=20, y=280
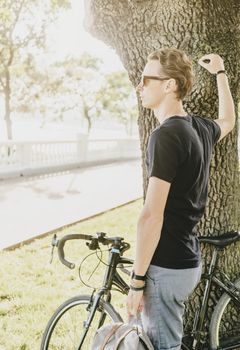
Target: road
x=35, y=205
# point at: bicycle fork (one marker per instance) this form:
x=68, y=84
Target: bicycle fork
x=112, y=262
x=88, y=322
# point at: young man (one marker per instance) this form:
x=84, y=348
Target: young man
x=167, y=263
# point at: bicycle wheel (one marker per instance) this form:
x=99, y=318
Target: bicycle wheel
x=65, y=328
x=225, y=320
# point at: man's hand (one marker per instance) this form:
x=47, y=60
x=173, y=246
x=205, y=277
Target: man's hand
x=134, y=303
x=213, y=63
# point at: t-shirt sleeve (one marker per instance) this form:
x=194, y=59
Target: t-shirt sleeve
x=214, y=129
x=164, y=155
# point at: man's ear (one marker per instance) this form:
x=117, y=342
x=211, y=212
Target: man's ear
x=171, y=85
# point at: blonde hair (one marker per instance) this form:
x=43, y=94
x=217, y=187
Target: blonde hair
x=175, y=64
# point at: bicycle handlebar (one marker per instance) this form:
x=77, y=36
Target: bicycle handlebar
x=92, y=245
x=61, y=243
x=118, y=242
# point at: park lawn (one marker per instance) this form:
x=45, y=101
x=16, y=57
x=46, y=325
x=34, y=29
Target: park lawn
x=31, y=288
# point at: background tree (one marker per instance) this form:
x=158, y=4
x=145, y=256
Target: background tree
x=83, y=79
x=39, y=90
x=134, y=29
x=76, y=84
x=47, y=91
x=118, y=99
x=20, y=32
x=99, y=94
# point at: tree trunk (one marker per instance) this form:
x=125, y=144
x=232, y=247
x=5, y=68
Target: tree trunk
x=7, y=94
x=134, y=29
x=86, y=114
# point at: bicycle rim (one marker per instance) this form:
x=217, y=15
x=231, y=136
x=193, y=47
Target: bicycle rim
x=225, y=324
x=66, y=326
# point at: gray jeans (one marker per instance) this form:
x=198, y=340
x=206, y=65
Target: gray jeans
x=164, y=297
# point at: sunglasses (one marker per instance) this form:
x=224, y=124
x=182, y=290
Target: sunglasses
x=151, y=77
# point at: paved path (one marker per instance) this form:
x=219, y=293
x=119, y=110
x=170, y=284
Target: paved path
x=35, y=205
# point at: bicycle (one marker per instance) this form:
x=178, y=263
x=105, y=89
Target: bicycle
x=89, y=312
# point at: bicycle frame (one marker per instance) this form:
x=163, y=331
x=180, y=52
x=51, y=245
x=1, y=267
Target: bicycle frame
x=111, y=277
x=99, y=298
x=198, y=332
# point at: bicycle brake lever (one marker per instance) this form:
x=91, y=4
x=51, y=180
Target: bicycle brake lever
x=93, y=245
x=54, y=244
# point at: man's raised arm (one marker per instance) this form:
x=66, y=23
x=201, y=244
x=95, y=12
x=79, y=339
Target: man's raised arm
x=226, y=112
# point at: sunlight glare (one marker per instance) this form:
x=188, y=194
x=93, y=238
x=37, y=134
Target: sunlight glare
x=68, y=37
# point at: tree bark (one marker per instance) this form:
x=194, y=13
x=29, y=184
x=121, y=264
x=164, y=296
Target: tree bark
x=134, y=29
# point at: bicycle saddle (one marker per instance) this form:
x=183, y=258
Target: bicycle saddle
x=221, y=241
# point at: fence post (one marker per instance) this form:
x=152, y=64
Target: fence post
x=82, y=147
x=25, y=154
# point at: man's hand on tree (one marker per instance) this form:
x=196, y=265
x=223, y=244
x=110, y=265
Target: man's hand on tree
x=212, y=62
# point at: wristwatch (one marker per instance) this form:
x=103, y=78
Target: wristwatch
x=221, y=71
x=137, y=277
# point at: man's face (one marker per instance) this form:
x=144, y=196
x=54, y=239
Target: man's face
x=152, y=91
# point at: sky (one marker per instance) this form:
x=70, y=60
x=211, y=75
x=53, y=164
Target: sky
x=69, y=37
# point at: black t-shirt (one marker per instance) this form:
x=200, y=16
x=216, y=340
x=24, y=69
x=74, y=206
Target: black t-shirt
x=179, y=151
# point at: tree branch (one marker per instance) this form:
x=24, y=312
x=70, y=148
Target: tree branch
x=2, y=83
x=17, y=14
x=11, y=56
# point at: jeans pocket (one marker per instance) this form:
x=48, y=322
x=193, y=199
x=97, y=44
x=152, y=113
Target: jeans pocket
x=149, y=277
x=150, y=288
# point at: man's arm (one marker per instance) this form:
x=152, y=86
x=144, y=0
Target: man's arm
x=226, y=112
x=226, y=115
x=148, y=234
x=150, y=224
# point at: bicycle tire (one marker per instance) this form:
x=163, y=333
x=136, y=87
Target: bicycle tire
x=58, y=334
x=217, y=323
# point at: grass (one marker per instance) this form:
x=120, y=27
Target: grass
x=31, y=288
